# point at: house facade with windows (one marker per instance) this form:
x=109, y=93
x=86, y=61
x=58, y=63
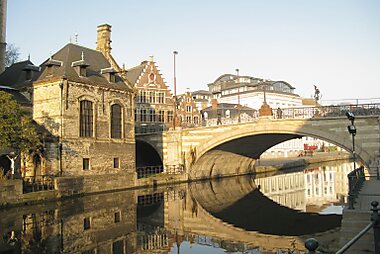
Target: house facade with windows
x=187, y=111
x=81, y=98
x=154, y=104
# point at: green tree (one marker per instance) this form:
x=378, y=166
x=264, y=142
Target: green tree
x=17, y=131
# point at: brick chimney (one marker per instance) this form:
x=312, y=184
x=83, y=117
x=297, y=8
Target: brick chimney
x=103, y=42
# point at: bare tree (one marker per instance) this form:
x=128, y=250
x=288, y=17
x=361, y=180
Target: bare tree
x=12, y=54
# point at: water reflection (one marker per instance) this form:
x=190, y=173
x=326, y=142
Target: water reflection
x=250, y=214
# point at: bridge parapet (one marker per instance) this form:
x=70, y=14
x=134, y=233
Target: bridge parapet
x=186, y=146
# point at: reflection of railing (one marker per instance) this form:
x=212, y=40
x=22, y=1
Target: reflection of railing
x=312, y=244
x=148, y=171
x=37, y=183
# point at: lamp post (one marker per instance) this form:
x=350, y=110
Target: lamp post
x=175, y=92
x=238, y=94
x=352, y=130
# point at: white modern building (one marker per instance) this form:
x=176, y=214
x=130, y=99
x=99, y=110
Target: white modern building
x=251, y=92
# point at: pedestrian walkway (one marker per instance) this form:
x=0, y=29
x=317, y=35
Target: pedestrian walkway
x=354, y=220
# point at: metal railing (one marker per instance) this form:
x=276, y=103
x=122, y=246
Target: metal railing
x=369, y=109
x=37, y=183
x=312, y=244
x=356, y=179
x=149, y=171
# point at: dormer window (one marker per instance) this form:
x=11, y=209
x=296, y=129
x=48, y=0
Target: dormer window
x=109, y=74
x=80, y=67
x=29, y=70
x=52, y=64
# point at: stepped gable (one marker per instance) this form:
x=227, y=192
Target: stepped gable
x=60, y=65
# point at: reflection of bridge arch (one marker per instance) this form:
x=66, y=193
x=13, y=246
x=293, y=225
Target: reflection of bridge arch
x=208, y=207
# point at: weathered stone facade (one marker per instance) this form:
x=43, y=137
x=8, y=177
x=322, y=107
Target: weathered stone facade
x=73, y=78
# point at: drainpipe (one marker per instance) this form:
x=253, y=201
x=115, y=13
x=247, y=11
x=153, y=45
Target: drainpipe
x=60, y=128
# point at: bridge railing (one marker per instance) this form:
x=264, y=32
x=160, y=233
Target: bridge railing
x=327, y=111
x=312, y=244
x=285, y=113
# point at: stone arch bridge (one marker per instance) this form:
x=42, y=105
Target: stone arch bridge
x=186, y=146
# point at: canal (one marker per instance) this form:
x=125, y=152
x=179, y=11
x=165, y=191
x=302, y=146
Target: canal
x=264, y=213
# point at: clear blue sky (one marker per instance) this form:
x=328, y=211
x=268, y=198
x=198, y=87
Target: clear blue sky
x=334, y=44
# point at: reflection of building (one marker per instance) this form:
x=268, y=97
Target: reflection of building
x=82, y=226
x=154, y=105
x=327, y=184
x=287, y=189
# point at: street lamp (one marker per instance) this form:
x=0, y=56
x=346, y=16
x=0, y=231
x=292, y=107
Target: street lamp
x=175, y=93
x=238, y=94
x=352, y=130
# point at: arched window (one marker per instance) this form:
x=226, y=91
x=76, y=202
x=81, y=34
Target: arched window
x=115, y=121
x=86, y=122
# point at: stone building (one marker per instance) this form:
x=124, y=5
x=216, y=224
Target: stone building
x=187, y=111
x=82, y=100
x=154, y=104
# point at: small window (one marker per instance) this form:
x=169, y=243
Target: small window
x=118, y=247
x=117, y=216
x=86, y=163
x=116, y=163
x=87, y=223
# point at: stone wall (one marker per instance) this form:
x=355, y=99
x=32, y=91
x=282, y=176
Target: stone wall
x=10, y=190
x=56, y=107
x=68, y=186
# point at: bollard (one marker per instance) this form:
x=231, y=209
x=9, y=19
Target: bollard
x=376, y=226
x=311, y=245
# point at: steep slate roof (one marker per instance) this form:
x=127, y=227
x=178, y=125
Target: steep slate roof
x=14, y=76
x=16, y=95
x=134, y=73
x=95, y=59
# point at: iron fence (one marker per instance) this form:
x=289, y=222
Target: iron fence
x=37, y=183
x=149, y=171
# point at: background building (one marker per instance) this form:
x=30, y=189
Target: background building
x=251, y=92
x=187, y=111
x=154, y=104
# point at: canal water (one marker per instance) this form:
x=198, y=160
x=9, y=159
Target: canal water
x=266, y=213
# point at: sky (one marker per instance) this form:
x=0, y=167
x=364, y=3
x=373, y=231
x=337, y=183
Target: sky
x=333, y=44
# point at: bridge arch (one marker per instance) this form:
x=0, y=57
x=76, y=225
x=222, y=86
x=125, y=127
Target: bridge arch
x=147, y=154
x=333, y=130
